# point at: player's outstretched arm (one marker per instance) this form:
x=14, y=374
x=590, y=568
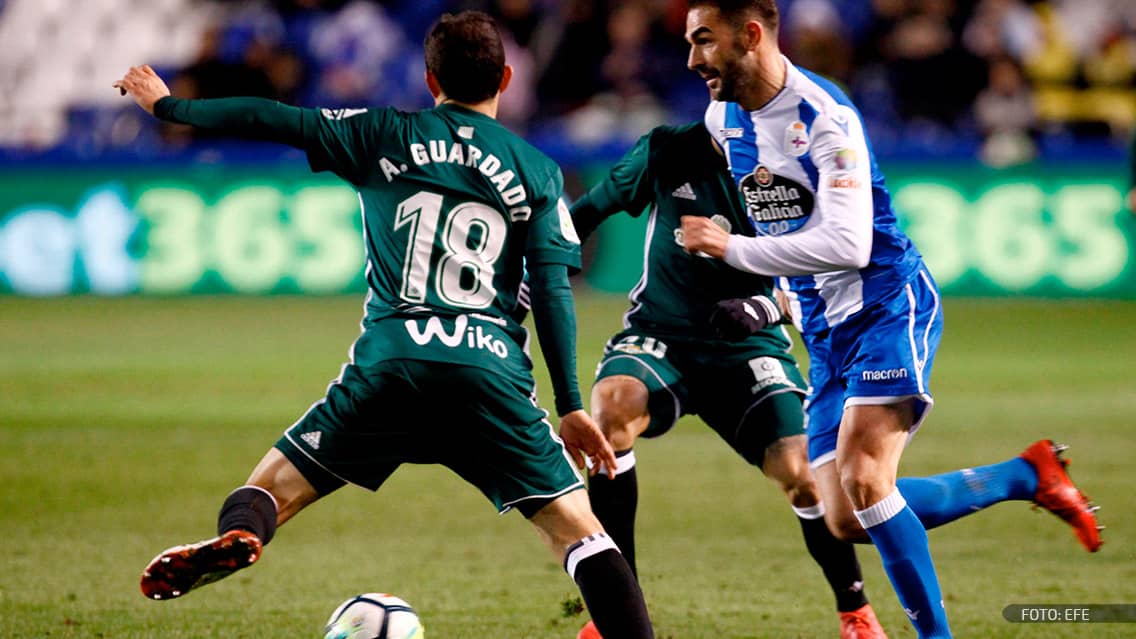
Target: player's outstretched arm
x=249, y=118
x=841, y=245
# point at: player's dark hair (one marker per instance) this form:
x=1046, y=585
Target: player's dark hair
x=738, y=12
x=465, y=54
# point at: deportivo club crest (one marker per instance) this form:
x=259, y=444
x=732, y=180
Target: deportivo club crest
x=797, y=139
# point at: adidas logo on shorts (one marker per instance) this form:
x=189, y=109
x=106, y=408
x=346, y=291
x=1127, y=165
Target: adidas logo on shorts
x=312, y=439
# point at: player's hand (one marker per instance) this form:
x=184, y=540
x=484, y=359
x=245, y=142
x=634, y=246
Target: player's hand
x=144, y=86
x=737, y=319
x=783, y=304
x=582, y=437
x=699, y=234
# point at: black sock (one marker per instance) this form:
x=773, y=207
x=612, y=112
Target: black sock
x=838, y=561
x=614, y=502
x=249, y=508
x=609, y=588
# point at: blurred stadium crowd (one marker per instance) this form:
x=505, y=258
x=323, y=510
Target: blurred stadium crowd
x=1001, y=79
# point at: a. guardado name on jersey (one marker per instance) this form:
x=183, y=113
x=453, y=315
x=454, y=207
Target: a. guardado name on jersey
x=468, y=155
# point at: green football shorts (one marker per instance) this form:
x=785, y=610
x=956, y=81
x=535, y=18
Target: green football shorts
x=723, y=383
x=482, y=424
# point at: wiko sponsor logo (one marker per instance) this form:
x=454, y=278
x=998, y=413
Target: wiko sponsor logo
x=473, y=337
x=884, y=375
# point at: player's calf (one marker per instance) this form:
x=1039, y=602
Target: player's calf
x=609, y=588
x=591, y=558
x=615, y=501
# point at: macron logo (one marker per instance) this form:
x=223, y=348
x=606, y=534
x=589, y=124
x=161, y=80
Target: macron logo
x=884, y=375
x=312, y=439
x=685, y=192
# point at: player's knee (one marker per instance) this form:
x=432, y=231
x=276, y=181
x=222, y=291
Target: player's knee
x=801, y=490
x=845, y=527
x=619, y=406
x=865, y=484
x=786, y=462
x=797, y=483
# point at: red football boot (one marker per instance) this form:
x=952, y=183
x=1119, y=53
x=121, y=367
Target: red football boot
x=1057, y=494
x=589, y=631
x=180, y=569
x=861, y=624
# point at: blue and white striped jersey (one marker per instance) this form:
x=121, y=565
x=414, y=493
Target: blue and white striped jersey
x=817, y=201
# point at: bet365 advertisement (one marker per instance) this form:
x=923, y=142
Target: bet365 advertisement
x=264, y=230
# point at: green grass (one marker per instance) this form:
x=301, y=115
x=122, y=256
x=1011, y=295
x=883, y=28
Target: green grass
x=123, y=423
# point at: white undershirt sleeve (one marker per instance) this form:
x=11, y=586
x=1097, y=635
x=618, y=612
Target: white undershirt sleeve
x=838, y=235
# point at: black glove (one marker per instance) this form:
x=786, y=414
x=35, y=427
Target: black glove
x=737, y=319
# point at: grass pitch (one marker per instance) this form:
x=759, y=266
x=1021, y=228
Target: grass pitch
x=124, y=423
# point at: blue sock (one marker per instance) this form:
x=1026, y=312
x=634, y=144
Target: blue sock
x=902, y=543
x=944, y=498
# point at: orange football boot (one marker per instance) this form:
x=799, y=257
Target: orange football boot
x=1057, y=494
x=180, y=569
x=589, y=631
x=861, y=624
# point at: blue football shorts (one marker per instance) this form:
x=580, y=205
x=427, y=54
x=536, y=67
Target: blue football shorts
x=881, y=355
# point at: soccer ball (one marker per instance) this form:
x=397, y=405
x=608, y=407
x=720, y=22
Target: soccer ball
x=374, y=615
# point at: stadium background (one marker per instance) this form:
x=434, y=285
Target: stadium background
x=1003, y=126
x=152, y=341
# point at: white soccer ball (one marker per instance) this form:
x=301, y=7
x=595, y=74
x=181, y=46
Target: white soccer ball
x=374, y=615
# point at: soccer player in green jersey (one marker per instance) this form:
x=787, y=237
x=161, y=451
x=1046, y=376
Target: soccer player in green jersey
x=669, y=360
x=454, y=207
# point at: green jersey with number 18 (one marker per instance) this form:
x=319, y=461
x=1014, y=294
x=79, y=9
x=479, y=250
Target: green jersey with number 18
x=452, y=201
x=453, y=205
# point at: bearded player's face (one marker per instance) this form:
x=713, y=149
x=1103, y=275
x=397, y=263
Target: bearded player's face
x=716, y=52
